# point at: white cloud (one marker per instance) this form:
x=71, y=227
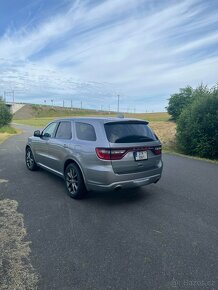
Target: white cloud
x=115, y=47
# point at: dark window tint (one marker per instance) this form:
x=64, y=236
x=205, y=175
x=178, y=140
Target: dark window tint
x=49, y=130
x=128, y=132
x=85, y=131
x=64, y=131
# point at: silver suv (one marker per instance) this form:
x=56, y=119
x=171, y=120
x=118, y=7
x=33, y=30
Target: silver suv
x=97, y=153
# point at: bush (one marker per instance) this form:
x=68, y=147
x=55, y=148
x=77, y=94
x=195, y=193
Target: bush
x=197, y=126
x=179, y=101
x=5, y=114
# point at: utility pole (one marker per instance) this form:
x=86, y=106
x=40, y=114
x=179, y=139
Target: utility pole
x=71, y=104
x=52, y=103
x=81, y=105
x=118, y=103
x=63, y=103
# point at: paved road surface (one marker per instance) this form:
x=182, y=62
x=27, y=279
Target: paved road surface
x=162, y=236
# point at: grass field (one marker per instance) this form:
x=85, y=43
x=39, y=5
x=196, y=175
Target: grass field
x=6, y=132
x=36, y=122
x=41, y=111
x=42, y=121
x=166, y=132
x=159, y=122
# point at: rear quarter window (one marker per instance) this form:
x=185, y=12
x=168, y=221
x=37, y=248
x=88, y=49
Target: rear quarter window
x=85, y=131
x=129, y=132
x=64, y=130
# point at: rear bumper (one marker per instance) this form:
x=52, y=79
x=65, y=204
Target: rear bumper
x=125, y=184
x=108, y=180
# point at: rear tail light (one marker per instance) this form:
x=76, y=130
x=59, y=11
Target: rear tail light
x=111, y=154
x=103, y=153
x=117, y=154
x=156, y=150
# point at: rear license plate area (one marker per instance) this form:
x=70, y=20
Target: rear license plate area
x=140, y=155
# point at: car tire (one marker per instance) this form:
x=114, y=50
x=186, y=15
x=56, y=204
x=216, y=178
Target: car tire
x=30, y=161
x=74, y=181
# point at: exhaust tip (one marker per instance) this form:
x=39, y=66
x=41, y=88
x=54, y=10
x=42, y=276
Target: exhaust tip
x=118, y=187
x=156, y=180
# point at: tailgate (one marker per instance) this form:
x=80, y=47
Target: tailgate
x=139, y=146
x=137, y=158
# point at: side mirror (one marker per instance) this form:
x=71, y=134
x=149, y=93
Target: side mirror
x=46, y=135
x=37, y=133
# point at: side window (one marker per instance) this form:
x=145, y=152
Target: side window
x=85, y=131
x=64, y=130
x=49, y=130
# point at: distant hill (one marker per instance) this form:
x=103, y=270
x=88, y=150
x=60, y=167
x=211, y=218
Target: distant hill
x=30, y=112
x=39, y=111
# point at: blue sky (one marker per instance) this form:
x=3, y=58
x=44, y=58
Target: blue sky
x=91, y=51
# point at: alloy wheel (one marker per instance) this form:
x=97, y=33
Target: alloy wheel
x=72, y=180
x=29, y=159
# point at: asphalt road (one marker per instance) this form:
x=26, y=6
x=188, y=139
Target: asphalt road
x=163, y=236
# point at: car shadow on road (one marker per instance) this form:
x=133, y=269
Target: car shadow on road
x=111, y=198
x=123, y=196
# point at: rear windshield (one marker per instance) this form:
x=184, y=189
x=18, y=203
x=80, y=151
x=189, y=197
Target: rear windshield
x=128, y=132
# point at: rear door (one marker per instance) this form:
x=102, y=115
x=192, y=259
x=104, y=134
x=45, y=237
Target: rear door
x=134, y=145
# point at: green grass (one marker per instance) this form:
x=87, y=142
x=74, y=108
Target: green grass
x=46, y=111
x=40, y=111
x=6, y=132
x=42, y=121
x=151, y=117
x=8, y=129
x=37, y=122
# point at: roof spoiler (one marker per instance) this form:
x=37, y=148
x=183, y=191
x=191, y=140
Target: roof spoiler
x=128, y=121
